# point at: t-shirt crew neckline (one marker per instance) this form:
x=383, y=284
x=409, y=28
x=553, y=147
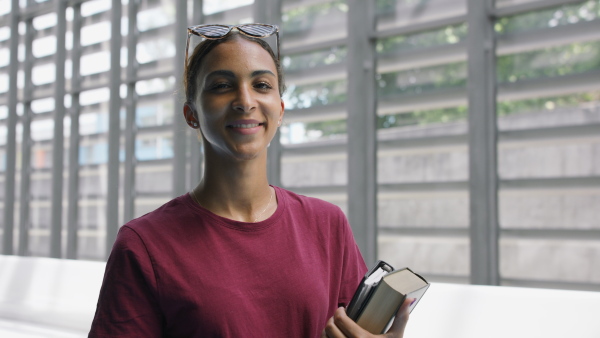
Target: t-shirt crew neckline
x=238, y=225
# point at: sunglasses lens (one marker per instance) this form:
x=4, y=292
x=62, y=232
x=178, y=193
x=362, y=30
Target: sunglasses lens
x=258, y=30
x=212, y=31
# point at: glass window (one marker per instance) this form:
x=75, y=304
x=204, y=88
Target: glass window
x=4, y=33
x=44, y=21
x=93, y=96
x=43, y=74
x=6, y=8
x=89, y=8
x=3, y=133
x=312, y=95
x=157, y=85
x=425, y=120
x=154, y=113
x=4, y=57
x=422, y=80
x=2, y=156
x=301, y=132
x=42, y=129
x=153, y=147
x=421, y=93
x=447, y=36
x=156, y=17
x=44, y=46
x=41, y=158
x=95, y=153
x=214, y=6
x=326, y=57
x=95, y=33
x=42, y=105
x=561, y=16
x=317, y=22
x=155, y=49
x=401, y=13
x=576, y=58
x=545, y=107
x=4, y=83
x=95, y=63
x=551, y=111
x=93, y=123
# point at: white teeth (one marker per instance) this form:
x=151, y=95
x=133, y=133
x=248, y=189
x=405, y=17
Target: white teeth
x=245, y=125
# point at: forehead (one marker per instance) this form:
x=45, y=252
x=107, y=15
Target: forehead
x=237, y=54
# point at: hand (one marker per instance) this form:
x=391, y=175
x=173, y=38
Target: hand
x=340, y=325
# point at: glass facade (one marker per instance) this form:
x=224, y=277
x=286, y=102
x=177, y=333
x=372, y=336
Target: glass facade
x=91, y=129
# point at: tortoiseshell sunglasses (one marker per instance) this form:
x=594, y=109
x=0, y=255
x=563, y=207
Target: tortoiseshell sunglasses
x=216, y=31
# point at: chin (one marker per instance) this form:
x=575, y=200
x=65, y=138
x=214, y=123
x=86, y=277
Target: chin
x=247, y=153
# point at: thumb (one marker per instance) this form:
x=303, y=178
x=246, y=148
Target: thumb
x=397, y=329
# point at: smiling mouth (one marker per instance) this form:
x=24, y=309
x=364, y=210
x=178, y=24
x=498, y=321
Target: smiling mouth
x=245, y=125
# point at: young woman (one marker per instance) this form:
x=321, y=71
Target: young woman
x=235, y=257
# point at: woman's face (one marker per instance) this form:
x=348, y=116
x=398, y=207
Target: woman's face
x=238, y=100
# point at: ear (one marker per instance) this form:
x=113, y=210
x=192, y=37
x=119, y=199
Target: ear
x=281, y=113
x=191, y=115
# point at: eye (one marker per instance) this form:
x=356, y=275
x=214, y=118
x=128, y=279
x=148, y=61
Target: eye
x=263, y=86
x=218, y=86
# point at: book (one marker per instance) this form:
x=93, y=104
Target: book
x=381, y=293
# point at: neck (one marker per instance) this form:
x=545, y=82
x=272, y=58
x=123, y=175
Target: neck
x=236, y=189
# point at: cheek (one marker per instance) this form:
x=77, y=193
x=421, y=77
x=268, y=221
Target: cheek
x=210, y=107
x=208, y=116
x=274, y=105
x=207, y=124
x=213, y=103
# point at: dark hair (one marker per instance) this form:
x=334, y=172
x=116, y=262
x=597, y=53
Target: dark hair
x=190, y=82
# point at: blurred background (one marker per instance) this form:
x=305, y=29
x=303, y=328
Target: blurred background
x=461, y=137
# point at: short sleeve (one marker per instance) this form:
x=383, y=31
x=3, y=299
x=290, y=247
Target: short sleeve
x=353, y=266
x=128, y=303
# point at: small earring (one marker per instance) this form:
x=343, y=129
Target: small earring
x=195, y=124
x=279, y=123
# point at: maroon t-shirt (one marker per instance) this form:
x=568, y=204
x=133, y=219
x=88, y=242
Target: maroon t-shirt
x=182, y=271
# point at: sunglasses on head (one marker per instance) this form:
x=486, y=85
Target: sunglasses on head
x=216, y=31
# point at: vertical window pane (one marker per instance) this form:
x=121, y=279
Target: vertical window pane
x=423, y=157
x=95, y=33
x=549, y=118
x=214, y=6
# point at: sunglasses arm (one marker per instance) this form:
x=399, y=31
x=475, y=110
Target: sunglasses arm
x=278, y=46
x=187, y=47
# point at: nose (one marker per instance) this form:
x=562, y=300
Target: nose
x=245, y=101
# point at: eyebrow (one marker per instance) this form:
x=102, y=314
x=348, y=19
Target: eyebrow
x=228, y=73
x=261, y=72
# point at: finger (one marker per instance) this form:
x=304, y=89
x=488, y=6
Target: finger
x=397, y=329
x=348, y=327
x=331, y=330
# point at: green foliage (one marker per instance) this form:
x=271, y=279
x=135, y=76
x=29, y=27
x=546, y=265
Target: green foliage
x=446, y=115
x=447, y=35
x=570, y=14
x=385, y=6
x=315, y=94
x=424, y=117
x=419, y=80
x=545, y=103
x=575, y=58
x=327, y=128
x=315, y=59
x=302, y=18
